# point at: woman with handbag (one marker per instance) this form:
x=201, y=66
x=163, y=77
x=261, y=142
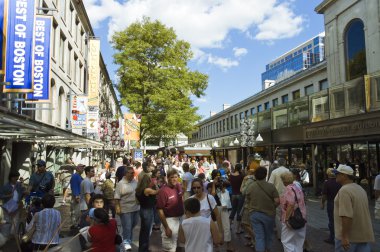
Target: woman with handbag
x=293, y=215
x=102, y=232
x=146, y=192
x=262, y=199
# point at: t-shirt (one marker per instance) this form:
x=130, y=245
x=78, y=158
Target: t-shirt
x=75, y=182
x=205, y=207
x=188, y=177
x=197, y=234
x=169, y=199
x=41, y=181
x=351, y=201
x=103, y=237
x=86, y=187
x=125, y=192
x=275, y=179
x=259, y=200
x=330, y=189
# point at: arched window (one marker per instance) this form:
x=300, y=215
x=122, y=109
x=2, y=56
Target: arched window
x=356, y=64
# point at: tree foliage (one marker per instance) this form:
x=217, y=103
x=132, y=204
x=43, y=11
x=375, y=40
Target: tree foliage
x=154, y=79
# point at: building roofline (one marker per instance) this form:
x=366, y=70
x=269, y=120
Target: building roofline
x=297, y=76
x=83, y=11
x=320, y=9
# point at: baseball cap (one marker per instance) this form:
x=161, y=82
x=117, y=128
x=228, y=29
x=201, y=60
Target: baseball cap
x=80, y=165
x=41, y=163
x=345, y=169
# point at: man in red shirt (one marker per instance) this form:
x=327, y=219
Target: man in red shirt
x=170, y=210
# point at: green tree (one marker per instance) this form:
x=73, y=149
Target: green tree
x=155, y=80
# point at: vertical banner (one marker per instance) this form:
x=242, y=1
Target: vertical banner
x=41, y=62
x=79, y=112
x=93, y=121
x=131, y=127
x=2, y=34
x=19, y=24
x=94, y=72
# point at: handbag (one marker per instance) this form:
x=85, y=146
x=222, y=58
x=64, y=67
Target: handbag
x=296, y=221
x=213, y=216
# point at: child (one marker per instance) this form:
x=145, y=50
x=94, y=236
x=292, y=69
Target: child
x=197, y=232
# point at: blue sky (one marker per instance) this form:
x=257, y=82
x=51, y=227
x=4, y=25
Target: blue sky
x=232, y=40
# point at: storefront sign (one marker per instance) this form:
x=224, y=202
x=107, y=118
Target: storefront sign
x=356, y=128
x=19, y=45
x=78, y=112
x=131, y=127
x=41, y=75
x=94, y=72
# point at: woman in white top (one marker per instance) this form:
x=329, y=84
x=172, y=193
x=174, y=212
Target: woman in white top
x=197, y=232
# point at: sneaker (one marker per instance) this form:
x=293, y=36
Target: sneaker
x=127, y=247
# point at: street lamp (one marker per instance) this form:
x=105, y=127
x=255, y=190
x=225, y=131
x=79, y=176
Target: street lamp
x=247, y=133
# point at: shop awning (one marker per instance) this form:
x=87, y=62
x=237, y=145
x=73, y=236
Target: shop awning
x=24, y=129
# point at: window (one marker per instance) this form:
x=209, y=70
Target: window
x=236, y=121
x=75, y=71
x=69, y=62
x=220, y=126
x=228, y=123
x=63, y=9
x=72, y=16
x=55, y=28
x=241, y=115
x=253, y=111
x=309, y=89
x=224, y=125
x=296, y=94
x=323, y=84
x=62, y=40
x=275, y=102
x=232, y=122
x=266, y=106
x=246, y=113
x=284, y=99
x=356, y=64
x=260, y=108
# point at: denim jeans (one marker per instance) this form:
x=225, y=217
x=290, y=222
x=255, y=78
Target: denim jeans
x=128, y=222
x=237, y=202
x=263, y=226
x=330, y=214
x=156, y=218
x=146, y=216
x=354, y=247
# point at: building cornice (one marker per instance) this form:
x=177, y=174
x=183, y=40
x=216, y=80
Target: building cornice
x=320, y=9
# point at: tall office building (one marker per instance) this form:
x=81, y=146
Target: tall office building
x=294, y=61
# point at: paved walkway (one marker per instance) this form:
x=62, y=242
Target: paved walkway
x=317, y=231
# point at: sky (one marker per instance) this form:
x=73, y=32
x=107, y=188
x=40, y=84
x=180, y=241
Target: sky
x=232, y=40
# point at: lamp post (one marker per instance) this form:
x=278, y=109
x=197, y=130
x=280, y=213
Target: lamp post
x=247, y=134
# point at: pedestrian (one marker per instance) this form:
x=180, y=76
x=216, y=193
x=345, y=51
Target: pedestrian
x=65, y=178
x=11, y=195
x=102, y=232
x=376, y=188
x=170, y=210
x=42, y=181
x=146, y=195
x=196, y=231
x=262, y=199
x=292, y=198
x=236, y=179
x=187, y=178
x=275, y=179
x=108, y=191
x=218, y=189
x=75, y=182
x=329, y=191
x=126, y=207
x=146, y=170
x=245, y=214
x=208, y=202
x=352, y=221
x=46, y=224
x=266, y=163
x=86, y=188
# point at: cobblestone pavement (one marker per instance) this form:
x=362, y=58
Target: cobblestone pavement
x=316, y=232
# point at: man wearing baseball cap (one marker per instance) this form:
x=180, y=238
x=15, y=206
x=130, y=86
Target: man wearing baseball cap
x=352, y=221
x=42, y=181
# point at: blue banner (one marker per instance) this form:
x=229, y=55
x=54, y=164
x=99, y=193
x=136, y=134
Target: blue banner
x=2, y=33
x=19, y=45
x=41, y=67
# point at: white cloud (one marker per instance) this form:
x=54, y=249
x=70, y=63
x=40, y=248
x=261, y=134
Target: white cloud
x=204, y=23
x=201, y=100
x=223, y=63
x=239, y=52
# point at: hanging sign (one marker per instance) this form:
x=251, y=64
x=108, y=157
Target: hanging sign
x=41, y=62
x=18, y=49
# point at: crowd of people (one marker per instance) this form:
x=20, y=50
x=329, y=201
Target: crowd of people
x=195, y=204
